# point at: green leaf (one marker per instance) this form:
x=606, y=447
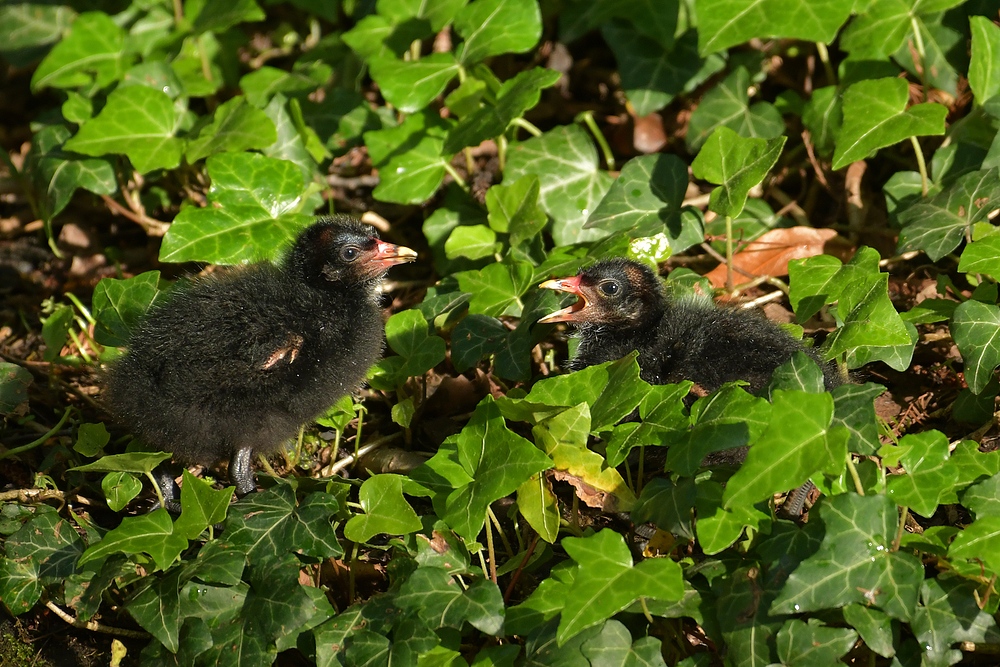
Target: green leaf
x=606, y=581
x=813, y=644
x=438, y=14
x=565, y=161
x=58, y=174
x=431, y=593
x=295, y=141
x=982, y=256
x=564, y=438
x=42, y=551
x=725, y=23
x=409, y=158
x=797, y=444
x=514, y=98
x=949, y=614
x=137, y=462
x=496, y=460
x=217, y=15
x=269, y=524
x=471, y=242
x=407, y=335
x=492, y=27
x=255, y=213
x=823, y=116
x=884, y=27
x=497, y=288
x=236, y=126
x=386, y=510
x=854, y=409
x=983, y=498
x=976, y=330
x=855, y=563
x=24, y=27
x=514, y=210
x=261, y=85
x=875, y=116
x=412, y=85
x=119, y=306
x=928, y=475
x=938, y=225
x=728, y=105
x=736, y=164
x=874, y=627
x=55, y=331
x=138, y=122
x=646, y=199
x=92, y=54
x=539, y=507
x=151, y=533
x=984, y=72
x=654, y=74
x=201, y=506
x=614, y=647
x=14, y=381
x=120, y=488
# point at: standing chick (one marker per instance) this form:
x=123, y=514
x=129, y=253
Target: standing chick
x=622, y=308
x=234, y=364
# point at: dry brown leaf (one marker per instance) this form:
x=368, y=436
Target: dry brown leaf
x=591, y=496
x=769, y=255
x=649, y=135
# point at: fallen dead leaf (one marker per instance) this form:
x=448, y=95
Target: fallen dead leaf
x=770, y=254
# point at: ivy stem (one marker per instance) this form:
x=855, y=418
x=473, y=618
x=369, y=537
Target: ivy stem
x=587, y=117
x=82, y=308
x=350, y=575
x=502, y=152
x=40, y=441
x=458, y=177
x=921, y=165
x=156, y=487
x=79, y=346
x=640, y=472
x=527, y=126
x=824, y=57
x=503, y=535
x=729, y=253
x=899, y=530
x=178, y=12
x=858, y=486
x=492, y=552
x=919, y=43
x=470, y=166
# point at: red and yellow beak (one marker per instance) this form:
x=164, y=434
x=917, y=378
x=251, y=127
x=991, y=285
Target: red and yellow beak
x=389, y=254
x=570, y=286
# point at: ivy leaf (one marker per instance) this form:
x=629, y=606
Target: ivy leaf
x=201, y=506
x=875, y=116
x=497, y=289
x=653, y=74
x=725, y=23
x=572, y=185
x=984, y=75
x=258, y=199
x=606, y=581
x=14, y=381
x=59, y=174
x=949, y=614
x=646, y=199
x=813, y=643
x=736, y=164
x=513, y=209
x=855, y=562
x=269, y=524
x=492, y=27
x=539, y=507
x=120, y=488
x=25, y=27
x=42, y=551
x=939, y=224
x=514, y=98
x=151, y=533
x=614, y=646
x=217, y=15
x=883, y=28
x=119, y=305
x=431, y=593
x=471, y=242
x=412, y=85
x=294, y=139
x=854, y=409
x=497, y=460
x=976, y=329
x=407, y=335
x=823, y=116
x=874, y=627
x=409, y=158
x=93, y=53
x=564, y=438
x=983, y=498
x=928, y=475
x=982, y=256
x=386, y=510
x=728, y=105
x=236, y=126
x=797, y=444
x=138, y=122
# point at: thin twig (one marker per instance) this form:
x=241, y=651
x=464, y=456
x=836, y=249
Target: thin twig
x=94, y=626
x=349, y=460
x=149, y=225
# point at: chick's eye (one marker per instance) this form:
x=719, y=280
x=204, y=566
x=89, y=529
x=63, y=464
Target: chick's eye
x=609, y=287
x=349, y=253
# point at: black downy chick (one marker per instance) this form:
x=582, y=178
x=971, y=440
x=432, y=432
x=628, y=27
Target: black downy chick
x=622, y=307
x=234, y=364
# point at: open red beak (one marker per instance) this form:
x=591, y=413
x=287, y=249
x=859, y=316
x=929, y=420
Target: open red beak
x=570, y=286
x=389, y=254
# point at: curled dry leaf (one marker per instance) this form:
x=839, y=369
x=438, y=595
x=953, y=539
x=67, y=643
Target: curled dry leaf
x=769, y=254
x=591, y=496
